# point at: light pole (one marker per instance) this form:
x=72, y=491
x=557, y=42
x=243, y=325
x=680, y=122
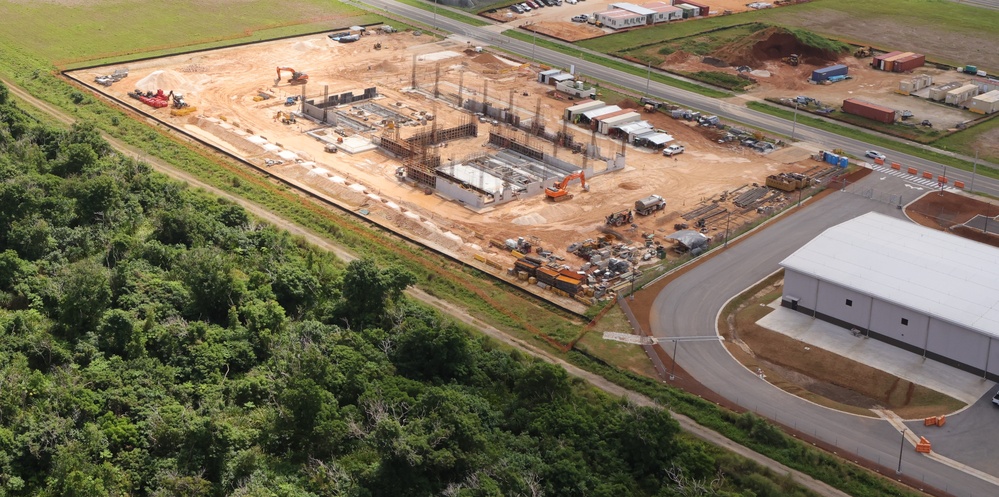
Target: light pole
x=435, y=15
x=727, y=218
x=634, y=276
x=794, y=124
x=535, y=44
x=648, y=78
x=672, y=367
x=900, y=447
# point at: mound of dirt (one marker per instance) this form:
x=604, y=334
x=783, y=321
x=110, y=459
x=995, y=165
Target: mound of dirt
x=772, y=43
x=164, y=80
x=677, y=57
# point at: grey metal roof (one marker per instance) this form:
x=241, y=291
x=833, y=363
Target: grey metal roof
x=928, y=271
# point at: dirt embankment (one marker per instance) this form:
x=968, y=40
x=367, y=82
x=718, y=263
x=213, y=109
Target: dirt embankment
x=772, y=43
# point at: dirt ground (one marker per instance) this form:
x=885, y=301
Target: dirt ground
x=949, y=211
x=222, y=85
x=776, y=79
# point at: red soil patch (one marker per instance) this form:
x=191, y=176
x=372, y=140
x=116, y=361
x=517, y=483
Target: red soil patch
x=770, y=44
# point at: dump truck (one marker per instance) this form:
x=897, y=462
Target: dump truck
x=649, y=204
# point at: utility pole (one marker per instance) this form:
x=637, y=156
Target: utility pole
x=795, y=123
x=974, y=169
x=900, y=447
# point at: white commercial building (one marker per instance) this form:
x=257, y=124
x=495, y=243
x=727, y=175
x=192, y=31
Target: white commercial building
x=923, y=290
x=628, y=15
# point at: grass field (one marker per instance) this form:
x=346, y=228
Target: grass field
x=921, y=15
x=102, y=30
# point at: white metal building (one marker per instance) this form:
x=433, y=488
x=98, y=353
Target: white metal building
x=920, y=289
x=571, y=112
x=958, y=96
x=987, y=103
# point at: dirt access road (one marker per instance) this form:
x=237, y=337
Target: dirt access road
x=457, y=312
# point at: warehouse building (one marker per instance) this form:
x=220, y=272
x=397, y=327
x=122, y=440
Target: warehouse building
x=923, y=290
x=574, y=111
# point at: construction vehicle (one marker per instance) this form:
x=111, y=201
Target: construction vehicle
x=791, y=60
x=297, y=77
x=649, y=204
x=620, y=218
x=559, y=191
x=285, y=117
x=862, y=52
x=179, y=106
x=288, y=102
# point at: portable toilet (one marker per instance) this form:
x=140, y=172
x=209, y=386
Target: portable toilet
x=844, y=162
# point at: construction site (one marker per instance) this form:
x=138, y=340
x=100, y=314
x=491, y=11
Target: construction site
x=470, y=153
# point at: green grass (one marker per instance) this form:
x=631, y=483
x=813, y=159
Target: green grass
x=722, y=79
x=964, y=141
x=876, y=140
x=444, y=12
x=101, y=30
x=619, y=65
x=938, y=14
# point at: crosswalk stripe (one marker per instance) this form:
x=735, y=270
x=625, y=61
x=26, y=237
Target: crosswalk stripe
x=910, y=177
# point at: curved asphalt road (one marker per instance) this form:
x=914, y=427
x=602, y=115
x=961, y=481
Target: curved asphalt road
x=689, y=306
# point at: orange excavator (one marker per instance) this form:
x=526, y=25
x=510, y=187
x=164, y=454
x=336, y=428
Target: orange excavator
x=559, y=192
x=297, y=78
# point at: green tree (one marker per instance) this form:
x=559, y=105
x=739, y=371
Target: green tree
x=368, y=291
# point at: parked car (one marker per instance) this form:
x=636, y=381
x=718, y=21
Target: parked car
x=527, y=8
x=673, y=150
x=874, y=154
x=579, y=19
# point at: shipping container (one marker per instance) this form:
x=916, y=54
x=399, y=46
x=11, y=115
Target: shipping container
x=987, y=103
x=823, y=74
x=971, y=69
x=703, y=10
x=909, y=63
x=869, y=110
x=878, y=61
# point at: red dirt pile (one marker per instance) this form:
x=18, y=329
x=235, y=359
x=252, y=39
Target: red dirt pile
x=772, y=43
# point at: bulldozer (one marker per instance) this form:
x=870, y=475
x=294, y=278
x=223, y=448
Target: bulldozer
x=559, y=192
x=791, y=60
x=297, y=77
x=862, y=52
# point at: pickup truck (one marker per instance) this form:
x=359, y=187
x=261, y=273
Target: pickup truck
x=673, y=150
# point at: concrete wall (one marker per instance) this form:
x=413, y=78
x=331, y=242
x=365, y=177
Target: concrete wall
x=463, y=195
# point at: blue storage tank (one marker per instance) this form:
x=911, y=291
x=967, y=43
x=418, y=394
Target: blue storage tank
x=844, y=162
x=824, y=73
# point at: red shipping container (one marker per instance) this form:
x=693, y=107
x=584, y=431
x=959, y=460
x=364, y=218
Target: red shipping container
x=869, y=110
x=909, y=63
x=878, y=62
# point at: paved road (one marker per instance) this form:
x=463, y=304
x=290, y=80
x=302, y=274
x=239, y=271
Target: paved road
x=689, y=307
x=730, y=108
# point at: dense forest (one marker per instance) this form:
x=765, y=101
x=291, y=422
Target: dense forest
x=156, y=340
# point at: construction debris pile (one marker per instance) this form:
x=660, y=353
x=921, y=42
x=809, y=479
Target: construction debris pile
x=110, y=79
